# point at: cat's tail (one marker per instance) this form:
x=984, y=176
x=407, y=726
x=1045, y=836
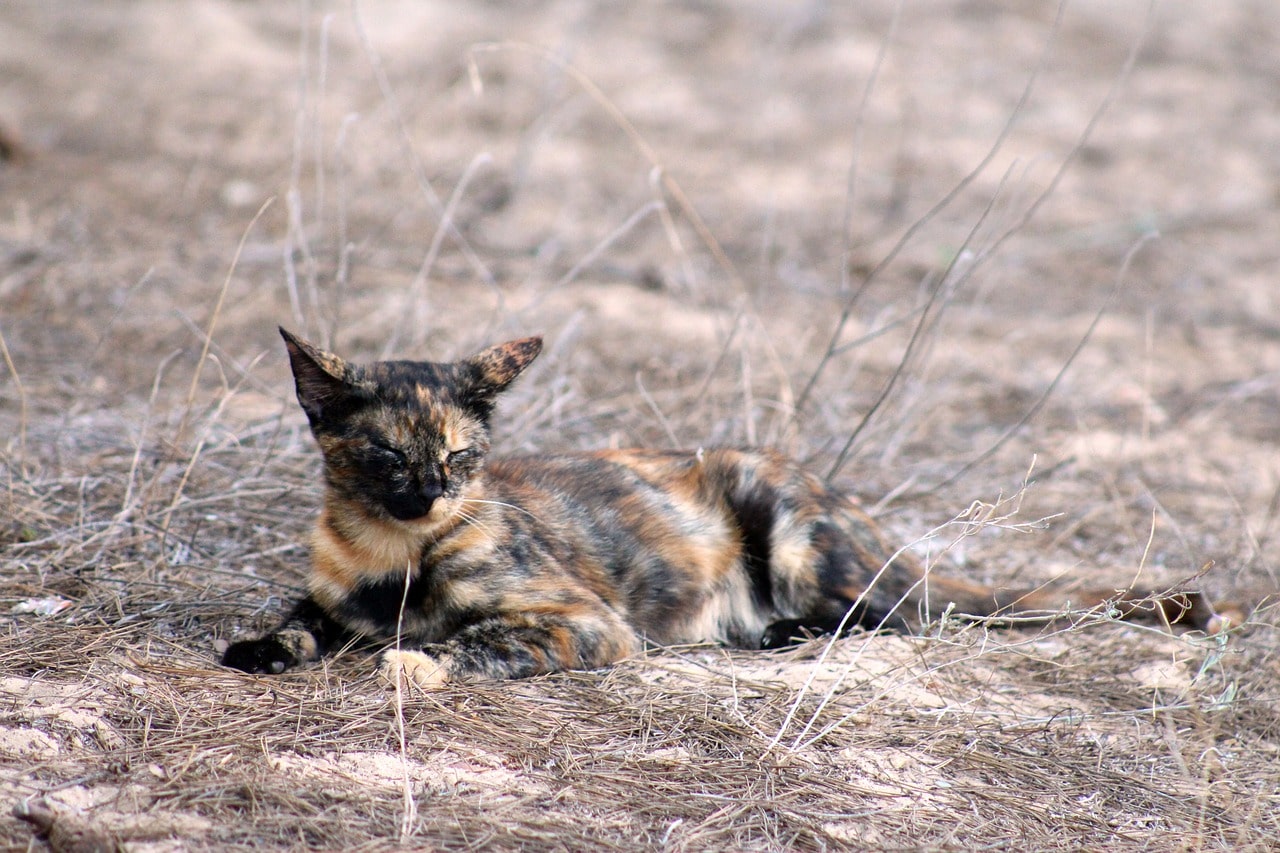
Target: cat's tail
x=923, y=596
x=895, y=590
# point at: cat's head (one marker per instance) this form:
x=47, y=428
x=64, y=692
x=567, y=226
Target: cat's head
x=402, y=439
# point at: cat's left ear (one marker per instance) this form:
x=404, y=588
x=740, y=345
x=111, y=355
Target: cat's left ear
x=492, y=370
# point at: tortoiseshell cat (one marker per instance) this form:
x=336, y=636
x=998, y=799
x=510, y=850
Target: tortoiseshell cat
x=526, y=565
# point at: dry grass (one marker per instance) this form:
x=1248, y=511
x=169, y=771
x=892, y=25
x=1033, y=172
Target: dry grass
x=659, y=200
x=1091, y=736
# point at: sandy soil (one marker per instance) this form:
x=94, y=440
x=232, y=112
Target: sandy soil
x=824, y=226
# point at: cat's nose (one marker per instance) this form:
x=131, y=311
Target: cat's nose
x=428, y=492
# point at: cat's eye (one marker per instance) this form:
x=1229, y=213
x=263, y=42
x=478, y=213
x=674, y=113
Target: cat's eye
x=466, y=454
x=387, y=454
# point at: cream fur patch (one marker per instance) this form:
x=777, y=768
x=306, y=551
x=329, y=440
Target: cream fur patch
x=417, y=668
x=301, y=643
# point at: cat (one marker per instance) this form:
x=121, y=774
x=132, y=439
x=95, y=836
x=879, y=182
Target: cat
x=508, y=567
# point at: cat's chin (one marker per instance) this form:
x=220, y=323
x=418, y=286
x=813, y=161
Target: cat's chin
x=432, y=524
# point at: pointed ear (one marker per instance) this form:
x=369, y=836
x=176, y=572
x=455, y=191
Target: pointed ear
x=492, y=370
x=322, y=379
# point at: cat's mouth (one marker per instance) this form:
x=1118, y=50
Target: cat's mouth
x=437, y=514
x=414, y=504
x=410, y=507
x=401, y=512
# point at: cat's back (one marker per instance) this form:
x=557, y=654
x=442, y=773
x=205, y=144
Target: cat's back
x=627, y=480
x=625, y=486
x=659, y=511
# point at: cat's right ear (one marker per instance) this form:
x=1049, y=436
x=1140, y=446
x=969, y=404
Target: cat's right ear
x=323, y=380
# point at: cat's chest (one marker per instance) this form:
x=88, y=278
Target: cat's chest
x=432, y=602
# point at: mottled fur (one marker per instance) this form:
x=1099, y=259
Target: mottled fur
x=524, y=565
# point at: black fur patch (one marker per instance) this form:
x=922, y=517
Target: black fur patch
x=755, y=516
x=379, y=601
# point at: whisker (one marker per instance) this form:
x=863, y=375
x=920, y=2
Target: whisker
x=500, y=503
x=475, y=521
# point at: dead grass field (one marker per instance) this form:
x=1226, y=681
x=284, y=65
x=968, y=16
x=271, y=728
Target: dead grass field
x=684, y=197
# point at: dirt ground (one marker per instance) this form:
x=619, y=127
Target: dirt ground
x=876, y=236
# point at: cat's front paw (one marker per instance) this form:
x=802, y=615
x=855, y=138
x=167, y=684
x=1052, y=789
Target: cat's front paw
x=267, y=655
x=785, y=633
x=417, y=668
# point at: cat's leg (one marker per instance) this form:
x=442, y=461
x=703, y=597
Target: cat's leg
x=306, y=634
x=784, y=633
x=838, y=573
x=817, y=562
x=514, y=646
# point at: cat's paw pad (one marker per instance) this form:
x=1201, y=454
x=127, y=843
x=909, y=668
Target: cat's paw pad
x=267, y=655
x=416, y=668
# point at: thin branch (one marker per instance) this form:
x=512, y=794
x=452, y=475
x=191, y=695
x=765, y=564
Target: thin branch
x=1057, y=379
x=668, y=183
x=846, y=311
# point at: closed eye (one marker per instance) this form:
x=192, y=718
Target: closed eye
x=388, y=455
x=466, y=454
